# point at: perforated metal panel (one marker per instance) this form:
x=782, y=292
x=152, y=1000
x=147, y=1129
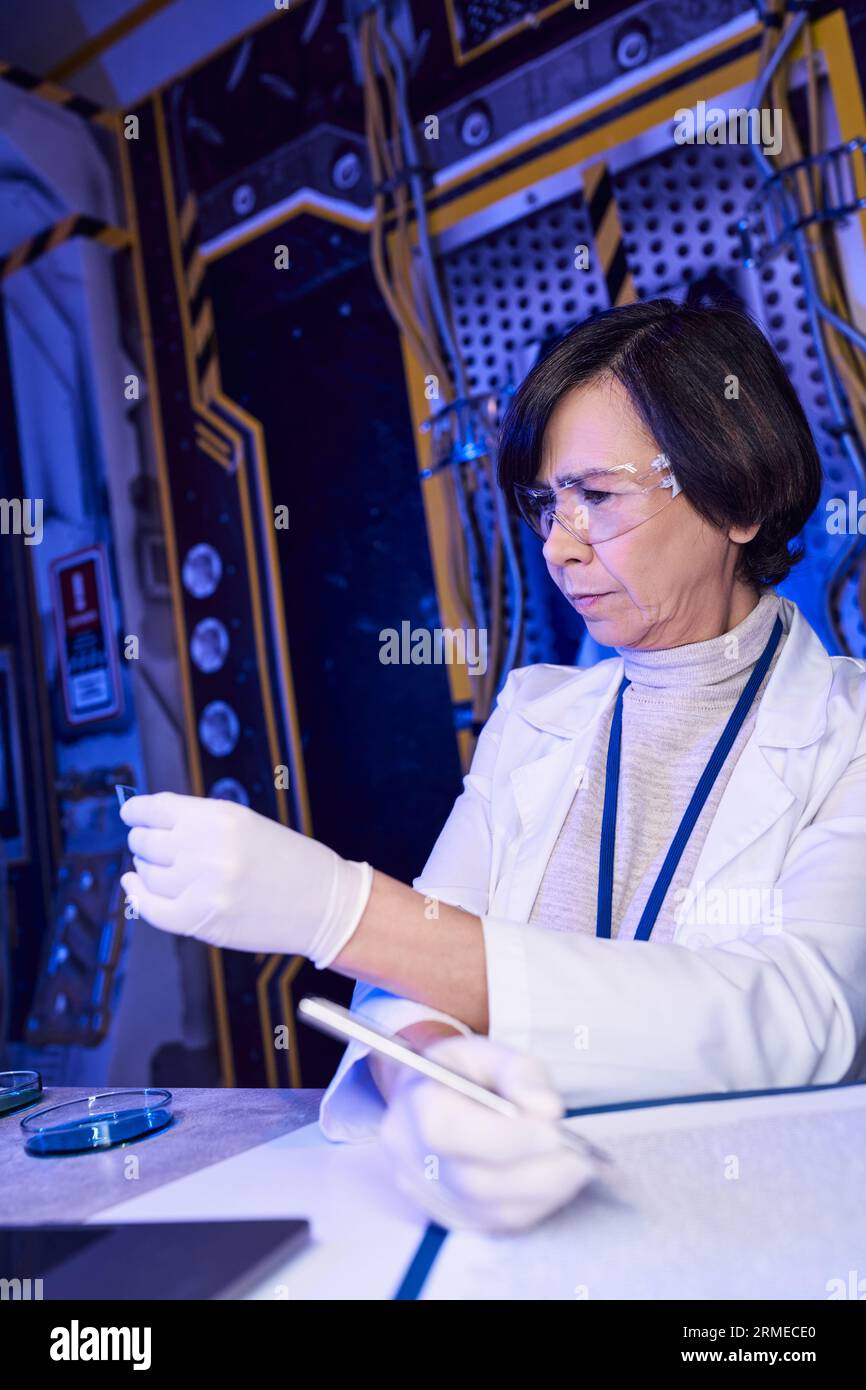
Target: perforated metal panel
x=509, y=291
x=679, y=213
x=516, y=286
x=483, y=21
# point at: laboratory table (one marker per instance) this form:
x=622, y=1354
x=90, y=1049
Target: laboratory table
x=209, y=1125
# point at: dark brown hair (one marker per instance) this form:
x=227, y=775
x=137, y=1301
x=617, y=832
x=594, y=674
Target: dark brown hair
x=739, y=461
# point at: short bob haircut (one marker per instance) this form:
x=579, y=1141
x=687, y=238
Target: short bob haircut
x=739, y=461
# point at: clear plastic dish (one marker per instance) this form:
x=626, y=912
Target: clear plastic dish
x=98, y=1121
x=18, y=1088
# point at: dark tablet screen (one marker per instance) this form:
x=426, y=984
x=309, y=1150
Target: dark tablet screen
x=151, y=1260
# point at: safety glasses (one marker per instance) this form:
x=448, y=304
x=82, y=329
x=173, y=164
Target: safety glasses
x=600, y=503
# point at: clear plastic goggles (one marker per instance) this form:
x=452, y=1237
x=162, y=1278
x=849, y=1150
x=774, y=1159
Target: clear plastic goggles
x=601, y=503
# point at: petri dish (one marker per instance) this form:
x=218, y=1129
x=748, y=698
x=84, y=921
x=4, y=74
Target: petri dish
x=97, y=1122
x=18, y=1088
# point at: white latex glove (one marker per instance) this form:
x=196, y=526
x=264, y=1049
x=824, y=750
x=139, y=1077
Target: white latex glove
x=495, y=1173
x=222, y=873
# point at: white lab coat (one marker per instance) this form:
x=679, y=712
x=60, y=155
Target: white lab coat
x=732, y=1004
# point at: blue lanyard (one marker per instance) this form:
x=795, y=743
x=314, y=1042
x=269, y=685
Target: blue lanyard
x=687, y=824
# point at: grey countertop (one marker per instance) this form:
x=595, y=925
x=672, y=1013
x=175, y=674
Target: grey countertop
x=209, y=1125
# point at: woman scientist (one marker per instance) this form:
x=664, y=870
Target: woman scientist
x=654, y=881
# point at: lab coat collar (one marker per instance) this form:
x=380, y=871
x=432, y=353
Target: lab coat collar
x=792, y=712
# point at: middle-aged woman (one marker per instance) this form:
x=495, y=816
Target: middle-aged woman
x=654, y=881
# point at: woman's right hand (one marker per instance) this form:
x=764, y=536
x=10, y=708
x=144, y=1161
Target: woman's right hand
x=468, y=1167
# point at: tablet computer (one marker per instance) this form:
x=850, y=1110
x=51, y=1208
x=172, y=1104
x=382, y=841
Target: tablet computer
x=149, y=1260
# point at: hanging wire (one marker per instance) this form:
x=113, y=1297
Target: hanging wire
x=502, y=532
x=399, y=294
x=486, y=569
x=405, y=137
x=839, y=353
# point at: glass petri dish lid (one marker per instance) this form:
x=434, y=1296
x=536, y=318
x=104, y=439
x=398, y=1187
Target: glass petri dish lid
x=18, y=1088
x=98, y=1121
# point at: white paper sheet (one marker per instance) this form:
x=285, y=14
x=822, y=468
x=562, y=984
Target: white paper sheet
x=363, y=1233
x=760, y=1198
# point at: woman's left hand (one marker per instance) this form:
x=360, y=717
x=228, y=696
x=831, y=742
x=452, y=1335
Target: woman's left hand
x=222, y=873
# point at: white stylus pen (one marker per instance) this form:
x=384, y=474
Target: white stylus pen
x=341, y=1023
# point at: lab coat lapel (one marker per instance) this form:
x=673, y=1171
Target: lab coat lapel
x=769, y=779
x=544, y=787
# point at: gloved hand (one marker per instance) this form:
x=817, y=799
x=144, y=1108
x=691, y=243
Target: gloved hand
x=495, y=1173
x=222, y=873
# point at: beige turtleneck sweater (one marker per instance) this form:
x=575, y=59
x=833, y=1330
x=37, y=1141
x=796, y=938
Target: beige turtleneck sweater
x=673, y=715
